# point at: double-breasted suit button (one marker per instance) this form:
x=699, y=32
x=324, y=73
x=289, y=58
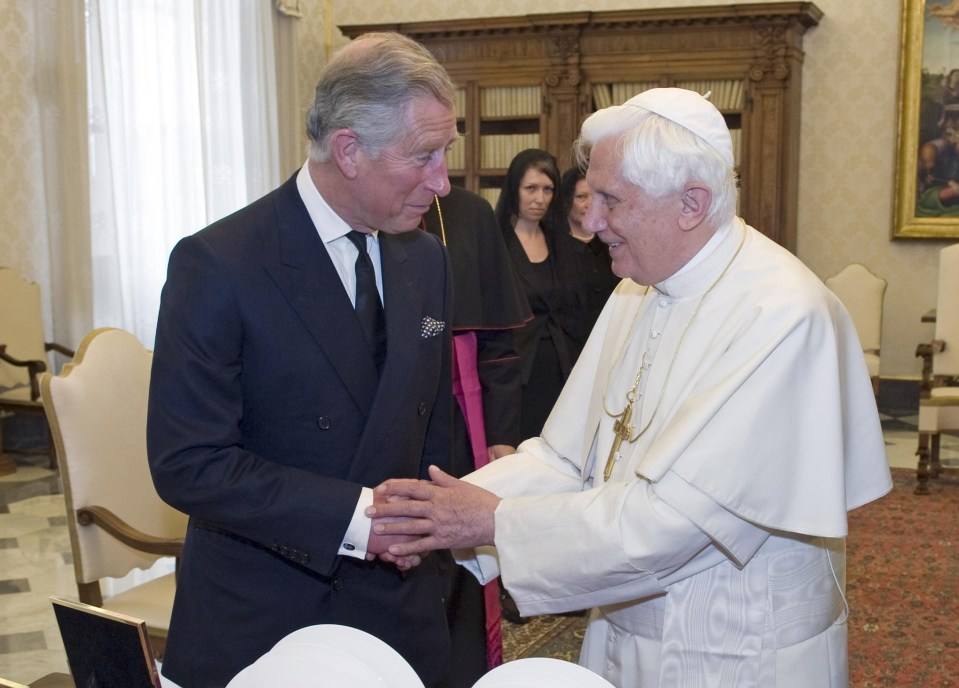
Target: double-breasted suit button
x=324, y=423
x=337, y=584
x=422, y=408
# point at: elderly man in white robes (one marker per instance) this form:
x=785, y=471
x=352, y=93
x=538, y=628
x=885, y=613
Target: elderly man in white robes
x=692, y=482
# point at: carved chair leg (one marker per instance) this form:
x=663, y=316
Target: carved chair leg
x=7, y=464
x=935, y=468
x=90, y=593
x=922, y=467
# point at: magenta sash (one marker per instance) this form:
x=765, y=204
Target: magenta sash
x=469, y=395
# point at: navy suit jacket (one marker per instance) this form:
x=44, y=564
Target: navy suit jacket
x=267, y=416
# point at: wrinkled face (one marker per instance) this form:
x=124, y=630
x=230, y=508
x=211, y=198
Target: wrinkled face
x=580, y=204
x=399, y=186
x=535, y=195
x=640, y=230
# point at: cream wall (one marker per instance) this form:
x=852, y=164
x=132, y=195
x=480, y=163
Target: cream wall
x=846, y=156
x=44, y=210
x=21, y=170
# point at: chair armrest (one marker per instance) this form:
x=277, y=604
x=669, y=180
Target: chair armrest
x=926, y=351
x=59, y=348
x=127, y=534
x=34, y=369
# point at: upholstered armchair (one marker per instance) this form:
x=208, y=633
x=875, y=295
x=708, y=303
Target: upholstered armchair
x=939, y=398
x=97, y=409
x=23, y=352
x=862, y=293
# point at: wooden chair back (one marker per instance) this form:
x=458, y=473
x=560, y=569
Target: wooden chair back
x=862, y=293
x=97, y=409
x=21, y=331
x=946, y=362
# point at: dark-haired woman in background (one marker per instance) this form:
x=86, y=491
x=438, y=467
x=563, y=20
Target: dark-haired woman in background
x=594, y=277
x=531, y=219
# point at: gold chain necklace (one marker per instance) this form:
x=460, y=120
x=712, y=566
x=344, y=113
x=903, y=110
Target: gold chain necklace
x=622, y=425
x=439, y=214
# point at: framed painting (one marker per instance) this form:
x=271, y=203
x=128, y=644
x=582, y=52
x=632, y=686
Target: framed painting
x=927, y=160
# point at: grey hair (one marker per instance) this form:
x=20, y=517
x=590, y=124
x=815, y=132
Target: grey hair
x=368, y=87
x=661, y=156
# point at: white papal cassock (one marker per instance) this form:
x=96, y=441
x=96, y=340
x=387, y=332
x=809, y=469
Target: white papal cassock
x=714, y=554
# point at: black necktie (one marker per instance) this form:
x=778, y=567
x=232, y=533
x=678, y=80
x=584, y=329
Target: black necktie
x=369, y=310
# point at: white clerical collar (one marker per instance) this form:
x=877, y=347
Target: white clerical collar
x=329, y=225
x=712, y=257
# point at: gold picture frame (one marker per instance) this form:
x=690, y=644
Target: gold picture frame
x=927, y=159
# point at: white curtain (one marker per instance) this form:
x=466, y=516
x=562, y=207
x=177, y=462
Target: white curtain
x=183, y=131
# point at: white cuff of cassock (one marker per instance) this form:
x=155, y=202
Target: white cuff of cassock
x=481, y=562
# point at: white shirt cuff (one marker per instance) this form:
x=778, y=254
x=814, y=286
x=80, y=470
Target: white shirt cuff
x=357, y=538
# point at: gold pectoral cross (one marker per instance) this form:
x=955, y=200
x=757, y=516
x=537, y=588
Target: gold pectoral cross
x=622, y=430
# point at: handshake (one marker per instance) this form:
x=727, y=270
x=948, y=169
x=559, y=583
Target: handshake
x=414, y=517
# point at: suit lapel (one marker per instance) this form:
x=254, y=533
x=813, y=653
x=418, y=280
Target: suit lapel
x=306, y=276
x=402, y=304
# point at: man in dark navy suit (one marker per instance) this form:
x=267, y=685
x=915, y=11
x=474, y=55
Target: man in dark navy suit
x=273, y=410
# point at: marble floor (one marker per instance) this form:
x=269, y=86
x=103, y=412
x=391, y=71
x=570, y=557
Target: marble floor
x=35, y=559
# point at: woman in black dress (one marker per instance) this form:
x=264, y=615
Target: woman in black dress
x=530, y=216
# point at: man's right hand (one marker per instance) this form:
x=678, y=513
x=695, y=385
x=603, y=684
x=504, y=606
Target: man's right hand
x=378, y=545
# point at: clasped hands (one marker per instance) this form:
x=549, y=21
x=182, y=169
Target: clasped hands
x=414, y=517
